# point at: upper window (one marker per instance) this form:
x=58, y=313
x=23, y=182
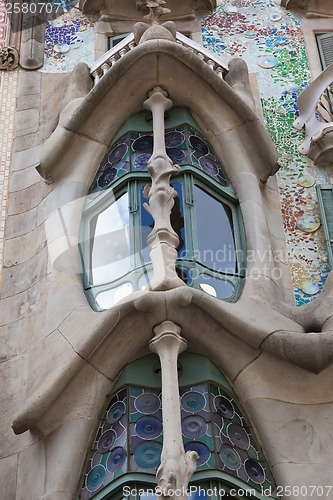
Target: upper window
x=206, y=217
x=114, y=40
x=325, y=46
x=325, y=198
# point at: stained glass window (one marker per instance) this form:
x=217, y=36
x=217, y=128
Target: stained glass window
x=206, y=216
x=129, y=439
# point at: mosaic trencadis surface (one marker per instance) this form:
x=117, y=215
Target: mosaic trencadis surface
x=270, y=40
x=69, y=39
x=129, y=438
x=131, y=153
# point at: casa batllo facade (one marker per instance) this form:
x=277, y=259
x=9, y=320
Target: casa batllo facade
x=166, y=239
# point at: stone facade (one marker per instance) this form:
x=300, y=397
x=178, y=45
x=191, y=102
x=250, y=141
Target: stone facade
x=60, y=358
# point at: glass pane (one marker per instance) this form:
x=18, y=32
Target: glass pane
x=215, y=287
x=108, y=298
x=197, y=493
x=110, y=243
x=177, y=222
x=216, y=246
x=148, y=495
x=177, y=219
x=147, y=224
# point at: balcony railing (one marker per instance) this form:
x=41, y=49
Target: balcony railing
x=110, y=58
x=315, y=106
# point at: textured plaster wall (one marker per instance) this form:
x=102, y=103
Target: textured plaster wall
x=50, y=340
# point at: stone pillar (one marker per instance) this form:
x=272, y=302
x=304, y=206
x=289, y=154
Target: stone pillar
x=176, y=466
x=163, y=240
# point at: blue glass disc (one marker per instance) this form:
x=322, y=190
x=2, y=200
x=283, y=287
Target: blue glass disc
x=224, y=407
x=148, y=455
x=208, y=166
x=143, y=143
x=174, y=139
x=238, y=436
x=141, y=161
x=230, y=457
x=147, y=403
x=176, y=155
x=193, y=401
x=118, y=153
x=254, y=470
x=106, y=177
x=106, y=441
x=194, y=427
x=116, y=459
x=201, y=449
x=199, y=145
x=116, y=411
x=95, y=478
x=148, y=427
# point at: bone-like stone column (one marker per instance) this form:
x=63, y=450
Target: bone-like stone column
x=163, y=240
x=176, y=466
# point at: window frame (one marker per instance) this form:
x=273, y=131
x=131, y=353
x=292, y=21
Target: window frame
x=132, y=182
x=327, y=233
x=311, y=28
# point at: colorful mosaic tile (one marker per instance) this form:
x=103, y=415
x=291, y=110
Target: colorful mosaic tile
x=68, y=39
x=273, y=47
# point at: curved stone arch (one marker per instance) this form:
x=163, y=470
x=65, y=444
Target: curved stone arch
x=136, y=73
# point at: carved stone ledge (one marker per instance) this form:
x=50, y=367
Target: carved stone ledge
x=132, y=10
x=9, y=58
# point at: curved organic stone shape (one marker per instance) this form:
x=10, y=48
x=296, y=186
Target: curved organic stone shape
x=144, y=31
x=313, y=101
x=163, y=240
x=315, y=8
x=176, y=466
x=133, y=10
x=8, y=58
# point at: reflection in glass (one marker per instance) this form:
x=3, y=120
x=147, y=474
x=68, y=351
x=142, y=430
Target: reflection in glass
x=216, y=246
x=147, y=224
x=177, y=218
x=108, y=298
x=199, y=494
x=110, y=243
x=215, y=287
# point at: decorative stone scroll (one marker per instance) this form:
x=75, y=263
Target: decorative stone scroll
x=176, y=466
x=163, y=240
x=8, y=58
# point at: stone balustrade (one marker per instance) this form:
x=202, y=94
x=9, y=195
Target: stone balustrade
x=104, y=63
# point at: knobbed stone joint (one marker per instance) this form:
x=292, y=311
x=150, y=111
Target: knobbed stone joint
x=9, y=58
x=163, y=240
